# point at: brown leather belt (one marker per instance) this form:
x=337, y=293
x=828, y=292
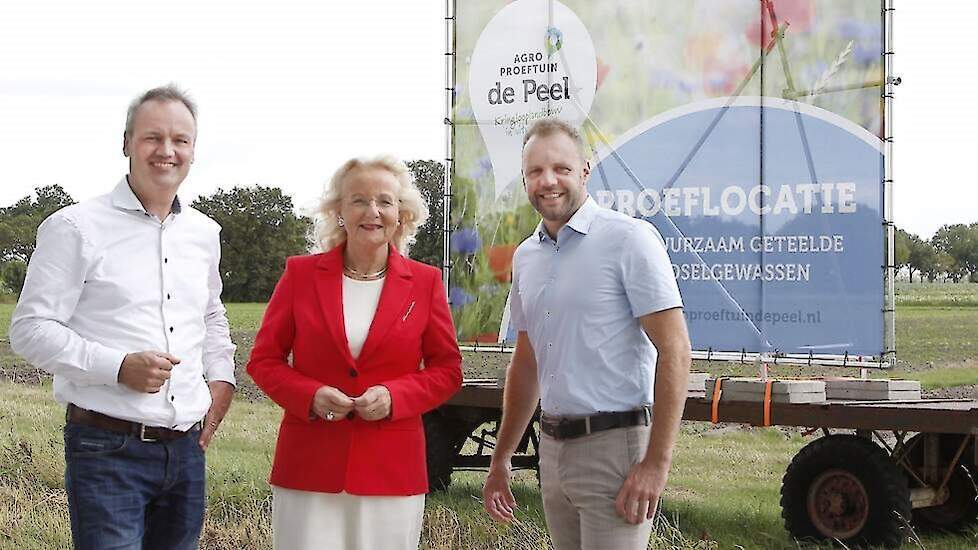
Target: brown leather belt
x=569, y=428
x=94, y=419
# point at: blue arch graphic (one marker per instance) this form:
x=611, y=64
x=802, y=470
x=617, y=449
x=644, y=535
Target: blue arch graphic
x=772, y=215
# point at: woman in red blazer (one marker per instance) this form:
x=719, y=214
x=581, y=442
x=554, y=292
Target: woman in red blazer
x=373, y=347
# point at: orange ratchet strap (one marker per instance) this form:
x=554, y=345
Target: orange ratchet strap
x=715, y=408
x=767, y=402
x=718, y=391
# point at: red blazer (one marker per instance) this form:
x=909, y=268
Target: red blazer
x=305, y=318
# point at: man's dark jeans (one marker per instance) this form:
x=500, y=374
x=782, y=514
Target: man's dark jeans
x=125, y=494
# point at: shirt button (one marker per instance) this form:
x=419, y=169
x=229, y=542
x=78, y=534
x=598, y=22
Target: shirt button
x=172, y=398
x=165, y=260
x=353, y=373
x=550, y=344
x=171, y=329
x=167, y=296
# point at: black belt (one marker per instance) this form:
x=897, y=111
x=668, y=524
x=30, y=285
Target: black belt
x=569, y=428
x=85, y=417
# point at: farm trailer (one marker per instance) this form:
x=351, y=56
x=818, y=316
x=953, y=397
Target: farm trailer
x=875, y=466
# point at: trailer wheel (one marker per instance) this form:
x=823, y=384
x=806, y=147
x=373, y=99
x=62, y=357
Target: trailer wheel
x=960, y=510
x=843, y=487
x=444, y=437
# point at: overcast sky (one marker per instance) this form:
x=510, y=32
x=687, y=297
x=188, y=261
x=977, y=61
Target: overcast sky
x=291, y=88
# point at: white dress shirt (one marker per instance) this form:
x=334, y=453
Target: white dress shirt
x=106, y=279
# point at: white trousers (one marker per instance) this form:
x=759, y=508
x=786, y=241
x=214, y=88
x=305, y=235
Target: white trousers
x=304, y=520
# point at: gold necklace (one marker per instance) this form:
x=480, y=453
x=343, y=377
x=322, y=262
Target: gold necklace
x=354, y=274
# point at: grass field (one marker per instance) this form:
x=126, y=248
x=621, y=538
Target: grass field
x=724, y=487
x=5, y=311
x=723, y=493
x=936, y=294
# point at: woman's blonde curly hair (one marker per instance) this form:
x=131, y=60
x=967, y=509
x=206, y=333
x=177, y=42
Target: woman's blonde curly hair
x=412, y=210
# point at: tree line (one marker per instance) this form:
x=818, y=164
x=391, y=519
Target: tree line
x=950, y=255
x=259, y=230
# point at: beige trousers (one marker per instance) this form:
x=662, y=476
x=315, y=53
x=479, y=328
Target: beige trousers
x=580, y=479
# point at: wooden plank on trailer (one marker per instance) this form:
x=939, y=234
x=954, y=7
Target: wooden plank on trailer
x=935, y=416
x=926, y=415
x=864, y=394
x=758, y=385
x=757, y=397
x=697, y=381
x=875, y=384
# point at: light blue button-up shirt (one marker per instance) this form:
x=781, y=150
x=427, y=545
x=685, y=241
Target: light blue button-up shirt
x=579, y=300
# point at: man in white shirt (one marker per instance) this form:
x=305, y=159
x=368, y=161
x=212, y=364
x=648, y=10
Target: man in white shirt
x=122, y=304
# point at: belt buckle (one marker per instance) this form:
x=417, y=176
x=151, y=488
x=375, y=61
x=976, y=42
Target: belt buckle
x=143, y=437
x=561, y=427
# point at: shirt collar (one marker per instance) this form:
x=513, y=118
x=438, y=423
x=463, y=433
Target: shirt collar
x=580, y=221
x=124, y=198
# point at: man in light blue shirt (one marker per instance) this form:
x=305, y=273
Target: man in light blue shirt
x=602, y=343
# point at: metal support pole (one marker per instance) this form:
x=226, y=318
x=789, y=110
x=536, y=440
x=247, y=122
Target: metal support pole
x=446, y=264
x=889, y=274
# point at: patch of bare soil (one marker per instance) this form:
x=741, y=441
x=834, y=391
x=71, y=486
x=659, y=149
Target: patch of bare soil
x=15, y=369
x=905, y=367
x=488, y=364
x=957, y=392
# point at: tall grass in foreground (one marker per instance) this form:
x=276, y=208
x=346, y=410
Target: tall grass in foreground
x=723, y=492
x=33, y=505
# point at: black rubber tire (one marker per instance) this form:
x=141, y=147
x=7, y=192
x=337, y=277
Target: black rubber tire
x=444, y=437
x=881, y=506
x=960, y=512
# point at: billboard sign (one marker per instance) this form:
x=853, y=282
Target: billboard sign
x=747, y=132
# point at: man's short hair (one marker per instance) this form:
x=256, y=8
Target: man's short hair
x=547, y=126
x=169, y=92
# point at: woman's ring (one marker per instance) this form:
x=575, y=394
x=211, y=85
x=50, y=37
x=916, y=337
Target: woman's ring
x=329, y=415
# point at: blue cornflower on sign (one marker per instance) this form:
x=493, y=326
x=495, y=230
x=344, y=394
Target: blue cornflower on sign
x=458, y=297
x=465, y=240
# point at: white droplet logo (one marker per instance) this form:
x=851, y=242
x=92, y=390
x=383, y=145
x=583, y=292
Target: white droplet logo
x=533, y=60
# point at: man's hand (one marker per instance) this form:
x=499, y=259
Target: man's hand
x=146, y=371
x=374, y=404
x=520, y=396
x=639, y=495
x=331, y=404
x=221, y=394
x=497, y=498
